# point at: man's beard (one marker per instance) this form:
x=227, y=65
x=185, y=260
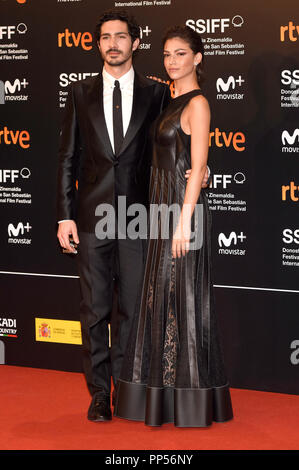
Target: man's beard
x=117, y=61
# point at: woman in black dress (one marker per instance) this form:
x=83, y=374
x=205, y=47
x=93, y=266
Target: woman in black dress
x=173, y=370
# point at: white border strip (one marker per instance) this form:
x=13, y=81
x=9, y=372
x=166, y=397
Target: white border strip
x=39, y=274
x=257, y=288
x=215, y=285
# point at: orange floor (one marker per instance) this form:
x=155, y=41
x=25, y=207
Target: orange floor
x=46, y=410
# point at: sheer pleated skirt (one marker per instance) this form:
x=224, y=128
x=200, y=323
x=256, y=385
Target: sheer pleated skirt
x=173, y=370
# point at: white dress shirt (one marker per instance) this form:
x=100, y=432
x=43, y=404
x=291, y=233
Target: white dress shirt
x=126, y=83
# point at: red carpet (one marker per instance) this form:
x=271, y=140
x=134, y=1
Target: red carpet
x=46, y=410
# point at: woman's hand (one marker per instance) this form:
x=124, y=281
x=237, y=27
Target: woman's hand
x=181, y=240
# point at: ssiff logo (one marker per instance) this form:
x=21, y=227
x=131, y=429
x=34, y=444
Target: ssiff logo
x=66, y=78
x=290, y=236
x=290, y=77
x=9, y=31
x=7, y=175
x=214, y=25
x=225, y=180
x=290, y=91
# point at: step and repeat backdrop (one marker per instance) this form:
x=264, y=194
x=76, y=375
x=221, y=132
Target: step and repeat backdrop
x=252, y=83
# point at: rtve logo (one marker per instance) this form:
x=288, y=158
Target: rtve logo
x=290, y=191
x=71, y=39
x=236, y=140
x=290, y=32
x=9, y=31
x=9, y=136
x=214, y=25
x=84, y=40
x=222, y=85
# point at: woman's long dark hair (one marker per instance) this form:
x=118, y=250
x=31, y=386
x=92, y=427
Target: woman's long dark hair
x=193, y=39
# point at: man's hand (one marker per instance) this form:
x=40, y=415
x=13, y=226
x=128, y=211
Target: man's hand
x=205, y=179
x=157, y=79
x=66, y=229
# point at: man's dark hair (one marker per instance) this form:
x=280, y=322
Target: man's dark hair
x=121, y=15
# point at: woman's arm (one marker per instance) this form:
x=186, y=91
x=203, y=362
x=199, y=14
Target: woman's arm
x=195, y=121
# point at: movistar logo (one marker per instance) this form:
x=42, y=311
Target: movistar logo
x=232, y=238
x=288, y=138
x=19, y=229
x=230, y=83
x=9, y=88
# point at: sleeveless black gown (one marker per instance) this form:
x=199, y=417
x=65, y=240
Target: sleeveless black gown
x=173, y=369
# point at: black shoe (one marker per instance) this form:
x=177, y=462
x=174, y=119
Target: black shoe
x=99, y=409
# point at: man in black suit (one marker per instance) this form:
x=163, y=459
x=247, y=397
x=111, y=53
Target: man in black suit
x=103, y=145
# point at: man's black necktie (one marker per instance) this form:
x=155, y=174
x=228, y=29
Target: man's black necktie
x=117, y=118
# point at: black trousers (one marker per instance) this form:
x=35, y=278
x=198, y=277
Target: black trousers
x=111, y=272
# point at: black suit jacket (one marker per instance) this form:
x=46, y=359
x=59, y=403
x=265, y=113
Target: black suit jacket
x=86, y=155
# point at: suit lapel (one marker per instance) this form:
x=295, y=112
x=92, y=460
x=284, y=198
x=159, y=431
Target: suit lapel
x=141, y=102
x=96, y=113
